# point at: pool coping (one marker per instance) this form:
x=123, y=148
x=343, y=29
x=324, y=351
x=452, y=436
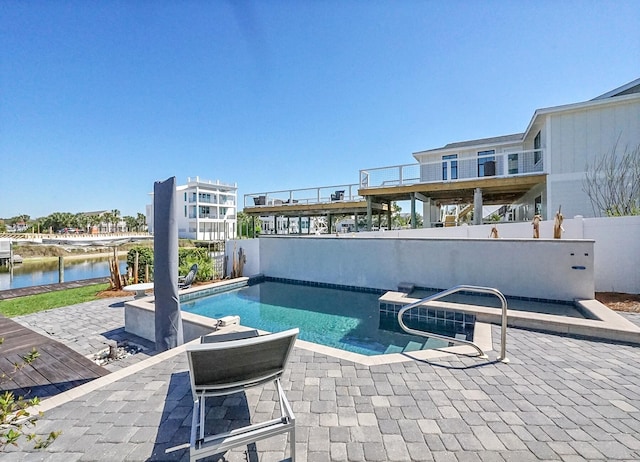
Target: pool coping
x=138, y=314
x=605, y=325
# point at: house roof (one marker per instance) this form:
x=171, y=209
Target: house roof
x=626, y=89
x=631, y=88
x=479, y=142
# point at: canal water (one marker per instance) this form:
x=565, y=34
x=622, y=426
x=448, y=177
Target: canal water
x=37, y=273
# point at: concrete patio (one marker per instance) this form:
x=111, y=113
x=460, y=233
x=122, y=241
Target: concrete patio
x=559, y=398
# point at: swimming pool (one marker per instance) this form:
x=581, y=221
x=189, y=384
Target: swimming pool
x=344, y=319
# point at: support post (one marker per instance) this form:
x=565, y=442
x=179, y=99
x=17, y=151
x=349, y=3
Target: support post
x=477, y=206
x=369, y=213
x=61, y=269
x=389, y=215
x=413, y=211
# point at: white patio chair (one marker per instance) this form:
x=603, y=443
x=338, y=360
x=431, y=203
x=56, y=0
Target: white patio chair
x=228, y=363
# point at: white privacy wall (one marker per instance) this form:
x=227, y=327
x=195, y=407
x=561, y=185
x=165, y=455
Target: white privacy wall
x=529, y=268
x=615, y=253
x=616, y=249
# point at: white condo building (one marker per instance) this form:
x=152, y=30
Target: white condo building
x=205, y=210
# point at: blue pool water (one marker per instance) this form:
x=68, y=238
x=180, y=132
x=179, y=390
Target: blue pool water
x=337, y=318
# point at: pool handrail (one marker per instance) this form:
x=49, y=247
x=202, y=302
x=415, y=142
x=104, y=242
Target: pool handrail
x=460, y=288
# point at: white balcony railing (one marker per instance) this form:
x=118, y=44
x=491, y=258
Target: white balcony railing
x=319, y=195
x=496, y=165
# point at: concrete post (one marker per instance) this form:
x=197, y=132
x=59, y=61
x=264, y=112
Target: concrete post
x=413, y=211
x=477, y=206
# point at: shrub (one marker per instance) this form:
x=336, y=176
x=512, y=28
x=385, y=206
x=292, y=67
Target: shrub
x=145, y=257
x=199, y=256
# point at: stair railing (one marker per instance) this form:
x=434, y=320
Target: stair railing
x=453, y=290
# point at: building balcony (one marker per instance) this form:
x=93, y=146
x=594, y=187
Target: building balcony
x=308, y=196
x=501, y=165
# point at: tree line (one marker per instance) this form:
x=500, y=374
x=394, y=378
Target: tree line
x=110, y=221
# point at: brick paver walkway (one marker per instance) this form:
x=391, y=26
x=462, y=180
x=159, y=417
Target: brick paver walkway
x=559, y=398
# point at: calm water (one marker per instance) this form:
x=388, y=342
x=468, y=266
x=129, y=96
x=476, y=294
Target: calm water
x=35, y=274
x=336, y=318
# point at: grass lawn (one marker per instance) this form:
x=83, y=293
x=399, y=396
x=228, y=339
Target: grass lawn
x=34, y=303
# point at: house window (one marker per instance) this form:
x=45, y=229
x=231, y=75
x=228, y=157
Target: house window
x=204, y=212
x=185, y=210
x=537, y=146
x=448, y=160
x=512, y=163
x=486, y=163
x=537, y=205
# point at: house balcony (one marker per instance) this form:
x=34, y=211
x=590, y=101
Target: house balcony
x=319, y=201
x=308, y=196
x=501, y=176
x=450, y=170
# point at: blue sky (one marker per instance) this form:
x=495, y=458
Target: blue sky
x=100, y=99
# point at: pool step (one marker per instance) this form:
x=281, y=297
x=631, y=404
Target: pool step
x=429, y=344
x=432, y=343
x=413, y=346
x=393, y=349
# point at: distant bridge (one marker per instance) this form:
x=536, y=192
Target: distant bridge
x=76, y=239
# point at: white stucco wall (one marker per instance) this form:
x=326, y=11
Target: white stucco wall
x=617, y=252
x=529, y=268
x=616, y=248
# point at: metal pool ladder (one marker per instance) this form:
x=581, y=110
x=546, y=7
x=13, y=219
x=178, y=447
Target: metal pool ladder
x=453, y=290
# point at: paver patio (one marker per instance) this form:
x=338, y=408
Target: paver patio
x=558, y=399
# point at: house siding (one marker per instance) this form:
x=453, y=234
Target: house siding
x=579, y=138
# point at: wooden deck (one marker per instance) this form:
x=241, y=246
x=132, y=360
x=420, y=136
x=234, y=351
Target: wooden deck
x=41, y=289
x=57, y=369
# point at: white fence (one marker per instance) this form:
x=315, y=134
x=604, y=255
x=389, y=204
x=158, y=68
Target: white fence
x=515, y=263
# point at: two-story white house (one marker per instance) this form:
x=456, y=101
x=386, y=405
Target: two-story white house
x=534, y=172
x=206, y=210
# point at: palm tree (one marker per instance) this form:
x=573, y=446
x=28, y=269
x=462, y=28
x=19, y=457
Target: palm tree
x=116, y=218
x=141, y=220
x=82, y=221
x=131, y=222
x=107, y=217
x=94, y=220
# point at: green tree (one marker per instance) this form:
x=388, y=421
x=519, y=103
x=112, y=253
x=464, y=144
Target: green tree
x=141, y=220
x=145, y=257
x=57, y=221
x=201, y=257
x=82, y=221
x=115, y=219
x=94, y=220
x=107, y=218
x=131, y=223
x=244, y=225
